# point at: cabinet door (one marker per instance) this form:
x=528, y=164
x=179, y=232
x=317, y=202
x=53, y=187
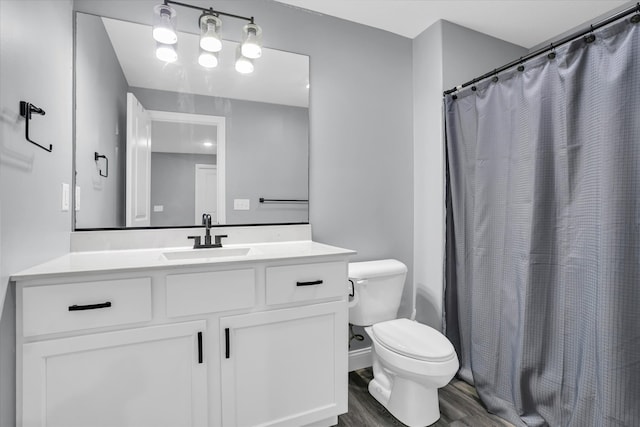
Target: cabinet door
x=284, y=367
x=153, y=376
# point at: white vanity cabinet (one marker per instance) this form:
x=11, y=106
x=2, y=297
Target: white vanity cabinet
x=284, y=367
x=242, y=344
x=136, y=377
x=287, y=367
x=69, y=375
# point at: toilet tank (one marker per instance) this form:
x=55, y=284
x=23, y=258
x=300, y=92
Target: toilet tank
x=378, y=288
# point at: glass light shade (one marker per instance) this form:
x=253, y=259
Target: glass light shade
x=210, y=33
x=166, y=52
x=164, y=24
x=208, y=59
x=244, y=65
x=252, y=41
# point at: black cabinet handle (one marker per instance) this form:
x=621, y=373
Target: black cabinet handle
x=199, y=347
x=89, y=306
x=315, y=282
x=226, y=343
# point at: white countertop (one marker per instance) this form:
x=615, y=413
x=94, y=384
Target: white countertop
x=141, y=259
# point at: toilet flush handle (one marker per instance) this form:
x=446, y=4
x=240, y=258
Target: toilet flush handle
x=353, y=295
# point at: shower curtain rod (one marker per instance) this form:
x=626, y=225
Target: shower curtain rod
x=551, y=47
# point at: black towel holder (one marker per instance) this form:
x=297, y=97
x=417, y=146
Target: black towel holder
x=26, y=110
x=263, y=200
x=97, y=157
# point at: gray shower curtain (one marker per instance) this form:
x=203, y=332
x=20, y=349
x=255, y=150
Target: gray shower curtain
x=542, y=292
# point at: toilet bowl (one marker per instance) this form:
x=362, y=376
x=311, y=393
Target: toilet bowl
x=410, y=360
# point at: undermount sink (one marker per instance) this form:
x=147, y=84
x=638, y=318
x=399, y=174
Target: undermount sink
x=206, y=253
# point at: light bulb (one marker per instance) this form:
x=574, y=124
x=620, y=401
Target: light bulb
x=209, y=33
x=252, y=41
x=243, y=65
x=166, y=53
x=208, y=59
x=164, y=24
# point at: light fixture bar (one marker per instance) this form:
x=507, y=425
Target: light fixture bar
x=209, y=10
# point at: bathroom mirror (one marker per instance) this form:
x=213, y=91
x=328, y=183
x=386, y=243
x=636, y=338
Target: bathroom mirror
x=157, y=144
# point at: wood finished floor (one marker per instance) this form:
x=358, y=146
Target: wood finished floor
x=459, y=406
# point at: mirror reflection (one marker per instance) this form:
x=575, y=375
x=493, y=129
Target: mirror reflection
x=177, y=140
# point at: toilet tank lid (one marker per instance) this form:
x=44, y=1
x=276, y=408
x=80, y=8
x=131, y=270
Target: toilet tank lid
x=380, y=268
x=413, y=339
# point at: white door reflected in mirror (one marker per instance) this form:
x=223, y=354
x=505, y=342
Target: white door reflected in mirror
x=206, y=192
x=138, y=180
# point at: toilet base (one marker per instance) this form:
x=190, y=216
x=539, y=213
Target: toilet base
x=410, y=402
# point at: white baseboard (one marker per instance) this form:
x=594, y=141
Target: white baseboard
x=360, y=358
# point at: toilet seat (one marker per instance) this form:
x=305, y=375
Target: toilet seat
x=414, y=340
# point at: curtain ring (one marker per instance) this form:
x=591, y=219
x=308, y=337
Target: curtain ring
x=590, y=38
x=636, y=18
x=552, y=54
x=495, y=77
x=521, y=66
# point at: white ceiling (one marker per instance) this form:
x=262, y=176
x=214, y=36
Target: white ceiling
x=135, y=49
x=527, y=23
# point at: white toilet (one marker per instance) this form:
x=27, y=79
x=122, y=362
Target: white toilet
x=410, y=360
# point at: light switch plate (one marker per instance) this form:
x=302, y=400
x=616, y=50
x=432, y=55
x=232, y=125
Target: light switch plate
x=241, y=204
x=65, y=197
x=158, y=208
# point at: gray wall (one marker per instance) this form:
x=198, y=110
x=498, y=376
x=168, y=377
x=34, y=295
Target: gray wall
x=101, y=125
x=32, y=225
x=444, y=55
x=267, y=151
x=468, y=53
x=173, y=186
x=427, y=164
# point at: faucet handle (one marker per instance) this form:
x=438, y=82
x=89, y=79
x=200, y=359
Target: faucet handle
x=219, y=237
x=197, y=241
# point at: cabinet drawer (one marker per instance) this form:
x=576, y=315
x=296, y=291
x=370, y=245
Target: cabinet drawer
x=75, y=306
x=210, y=292
x=305, y=282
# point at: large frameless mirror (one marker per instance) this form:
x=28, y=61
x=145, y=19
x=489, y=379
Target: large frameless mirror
x=158, y=144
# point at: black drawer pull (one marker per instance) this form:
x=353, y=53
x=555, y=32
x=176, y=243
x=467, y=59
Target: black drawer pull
x=315, y=282
x=89, y=306
x=200, y=347
x=226, y=344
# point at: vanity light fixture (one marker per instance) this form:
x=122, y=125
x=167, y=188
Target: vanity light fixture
x=164, y=24
x=252, y=41
x=209, y=22
x=210, y=32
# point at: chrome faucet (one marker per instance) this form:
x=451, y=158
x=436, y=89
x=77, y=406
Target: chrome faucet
x=197, y=244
